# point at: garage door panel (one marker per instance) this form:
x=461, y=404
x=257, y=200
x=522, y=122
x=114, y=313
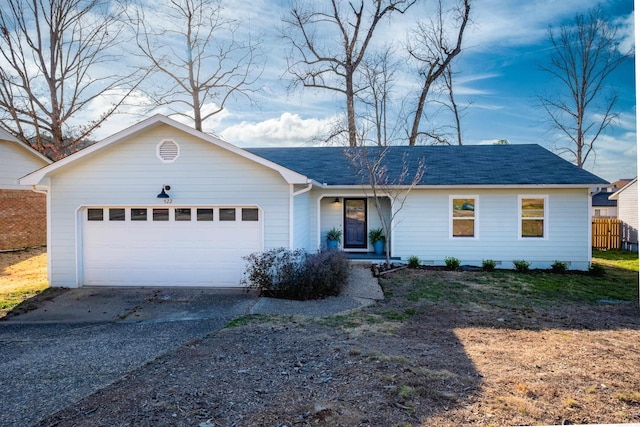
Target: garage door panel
x=168, y=253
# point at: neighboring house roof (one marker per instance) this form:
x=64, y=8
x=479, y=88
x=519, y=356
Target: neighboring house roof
x=34, y=178
x=602, y=199
x=615, y=195
x=6, y=136
x=513, y=164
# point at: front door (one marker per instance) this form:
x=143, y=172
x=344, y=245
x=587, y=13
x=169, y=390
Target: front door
x=355, y=223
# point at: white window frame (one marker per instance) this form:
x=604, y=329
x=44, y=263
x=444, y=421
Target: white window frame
x=476, y=217
x=545, y=217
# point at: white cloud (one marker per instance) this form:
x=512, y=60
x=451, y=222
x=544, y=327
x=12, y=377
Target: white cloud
x=626, y=33
x=287, y=130
x=499, y=23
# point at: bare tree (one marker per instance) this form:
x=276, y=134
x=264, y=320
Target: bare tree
x=53, y=65
x=453, y=104
x=373, y=165
x=378, y=75
x=329, y=46
x=196, y=48
x=433, y=46
x=583, y=56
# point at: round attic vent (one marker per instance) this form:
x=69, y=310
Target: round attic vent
x=168, y=151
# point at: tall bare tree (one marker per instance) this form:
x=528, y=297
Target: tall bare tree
x=197, y=49
x=583, y=56
x=378, y=77
x=433, y=46
x=328, y=44
x=54, y=63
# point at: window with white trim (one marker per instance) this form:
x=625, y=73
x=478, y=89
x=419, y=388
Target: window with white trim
x=463, y=216
x=532, y=211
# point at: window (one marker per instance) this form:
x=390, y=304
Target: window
x=138, y=214
x=463, y=216
x=95, y=214
x=227, y=214
x=533, y=211
x=249, y=214
x=160, y=214
x=183, y=214
x=204, y=214
x=116, y=214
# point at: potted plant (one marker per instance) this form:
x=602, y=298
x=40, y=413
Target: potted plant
x=333, y=238
x=377, y=239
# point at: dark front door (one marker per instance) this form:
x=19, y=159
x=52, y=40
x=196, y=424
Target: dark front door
x=355, y=223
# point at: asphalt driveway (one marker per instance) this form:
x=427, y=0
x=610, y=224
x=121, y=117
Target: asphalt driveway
x=87, y=338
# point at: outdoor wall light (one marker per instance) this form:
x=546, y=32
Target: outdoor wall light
x=336, y=200
x=163, y=194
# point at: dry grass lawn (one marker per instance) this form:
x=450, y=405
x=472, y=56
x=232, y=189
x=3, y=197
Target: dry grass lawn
x=23, y=275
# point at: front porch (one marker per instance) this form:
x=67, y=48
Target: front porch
x=355, y=216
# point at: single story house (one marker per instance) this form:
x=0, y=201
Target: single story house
x=627, y=199
x=23, y=214
x=161, y=204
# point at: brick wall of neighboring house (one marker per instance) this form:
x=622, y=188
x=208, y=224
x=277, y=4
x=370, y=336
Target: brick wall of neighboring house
x=23, y=219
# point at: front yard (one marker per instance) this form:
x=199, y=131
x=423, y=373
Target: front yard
x=445, y=348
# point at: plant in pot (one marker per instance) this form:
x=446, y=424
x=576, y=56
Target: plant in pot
x=333, y=238
x=377, y=239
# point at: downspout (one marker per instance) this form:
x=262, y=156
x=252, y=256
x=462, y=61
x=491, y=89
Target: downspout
x=293, y=194
x=35, y=189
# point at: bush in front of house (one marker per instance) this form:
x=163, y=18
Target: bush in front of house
x=296, y=274
x=452, y=263
x=488, y=265
x=413, y=262
x=521, y=265
x=559, y=267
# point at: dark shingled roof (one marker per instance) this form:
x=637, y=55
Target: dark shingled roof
x=512, y=164
x=602, y=199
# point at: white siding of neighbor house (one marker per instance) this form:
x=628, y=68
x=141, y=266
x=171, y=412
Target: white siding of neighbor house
x=422, y=228
x=128, y=173
x=628, y=213
x=16, y=162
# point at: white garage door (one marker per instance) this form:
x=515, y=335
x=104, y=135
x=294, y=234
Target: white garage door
x=168, y=246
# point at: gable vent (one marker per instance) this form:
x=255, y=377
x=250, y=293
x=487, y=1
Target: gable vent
x=168, y=151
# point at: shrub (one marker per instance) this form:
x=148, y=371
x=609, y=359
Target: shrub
x=559, y=267
x=413, y=261
x=521, y=265
x=283, y=273
x=596, y=270
x=488, y=265
x=452, y=263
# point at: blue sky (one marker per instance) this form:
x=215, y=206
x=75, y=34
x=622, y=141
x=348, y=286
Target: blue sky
x=498, y=80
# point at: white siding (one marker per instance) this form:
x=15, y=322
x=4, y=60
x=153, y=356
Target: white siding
x=16, y=162
x=422, y=229
x=628, y=214
x=129, y=173
x=301, y=222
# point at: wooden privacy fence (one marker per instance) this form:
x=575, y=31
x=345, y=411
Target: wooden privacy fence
x=605, y=233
